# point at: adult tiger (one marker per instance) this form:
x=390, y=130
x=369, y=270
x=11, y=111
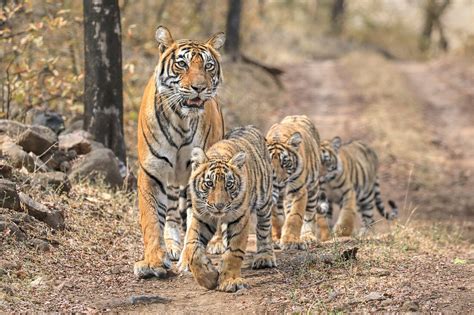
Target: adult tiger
x=351, y=181
x=229, y=182
x=178, y=112
x=294, y=149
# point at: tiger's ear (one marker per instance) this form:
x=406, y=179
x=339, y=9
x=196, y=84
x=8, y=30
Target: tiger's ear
x=216, y=41
x=295, y=140
x=336, y=143
x=163, y=37
x=238, y=159
x=198, y=157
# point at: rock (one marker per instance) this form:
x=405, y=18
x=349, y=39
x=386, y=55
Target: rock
x=55, y=159
x=16, y=156
x=8, y=195
x=10, y=228
x=410, y=306
x=53, y=218
x=32, y=141
x=6, y=171
x=373, y=296
x=14, y=128
x=97, y=145
x=116, y=302
x=40, y=245
x=78, y=141
x=46, y=118
x=98, y=163
x=76, y=124
x=57, y=181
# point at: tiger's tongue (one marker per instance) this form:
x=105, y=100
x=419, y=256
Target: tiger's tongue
x=195, y=101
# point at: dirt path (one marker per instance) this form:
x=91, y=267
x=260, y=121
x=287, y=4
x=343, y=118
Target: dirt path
x=322, y=91
x=447, y=94
x=400, y=271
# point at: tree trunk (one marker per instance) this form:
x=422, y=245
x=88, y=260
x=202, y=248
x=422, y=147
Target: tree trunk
x=103, y=74
x=232, y=43
x=337, y=16
x=433, y=11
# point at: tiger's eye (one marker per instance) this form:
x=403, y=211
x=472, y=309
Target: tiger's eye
x=209, y=66
x=182, y=64
x=208, y=183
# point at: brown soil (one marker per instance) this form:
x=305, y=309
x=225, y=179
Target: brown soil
x=404, y=267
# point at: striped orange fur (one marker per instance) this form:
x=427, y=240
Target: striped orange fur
x=178, y=112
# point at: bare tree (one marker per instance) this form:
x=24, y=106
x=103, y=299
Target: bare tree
x=232, y=43
x=433, y=11
x=103, y=74
x=337, y=16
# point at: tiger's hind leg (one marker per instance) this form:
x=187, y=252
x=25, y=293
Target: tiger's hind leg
x=216, y=245
x=152, y=203
x=265, y=258
x=291, y=232
x=308, y=230
x=173, y=221
x=278, y=215
x=367, y=213
x=345, y=222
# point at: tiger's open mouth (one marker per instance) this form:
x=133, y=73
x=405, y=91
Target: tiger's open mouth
x=196, y=102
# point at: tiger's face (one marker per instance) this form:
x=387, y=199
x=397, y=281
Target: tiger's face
x=285, y=157
x=329, y=151
x=217, y=186
x=188, y=72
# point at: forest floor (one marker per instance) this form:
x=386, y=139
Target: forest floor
x=418, y=116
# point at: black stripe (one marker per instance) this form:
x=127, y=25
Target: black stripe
x=156, y=180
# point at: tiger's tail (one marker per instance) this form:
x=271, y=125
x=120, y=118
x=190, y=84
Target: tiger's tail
x=380, y=206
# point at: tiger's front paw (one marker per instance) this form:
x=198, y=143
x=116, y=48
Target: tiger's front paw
x=299, y=245
x=309, y=238
x=204, y=272
x=233, y=284
x=341, y=230
x=174, y=251
x=264, y=260
x=183, y=264
x=215, y=247
x=144, y=269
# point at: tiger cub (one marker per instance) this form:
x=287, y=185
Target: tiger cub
x=228, y=183
x=294, y=151
x=351, y=181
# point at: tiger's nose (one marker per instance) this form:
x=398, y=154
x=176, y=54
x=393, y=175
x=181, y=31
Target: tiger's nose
x=219, y=206
x=198, y=88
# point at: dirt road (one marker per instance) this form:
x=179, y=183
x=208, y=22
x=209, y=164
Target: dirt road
x=324, y=91
x=398, y=268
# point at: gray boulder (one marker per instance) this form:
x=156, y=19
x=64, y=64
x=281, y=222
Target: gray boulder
x=8, y=195
x=78, y=141
x=32, y=141
x=14, y=129
x=53, y=218
x=99, y=164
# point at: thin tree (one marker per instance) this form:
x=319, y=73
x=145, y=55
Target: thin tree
x=433, y=11
x=103, y=97
x=337, y=16
x=232, y=43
